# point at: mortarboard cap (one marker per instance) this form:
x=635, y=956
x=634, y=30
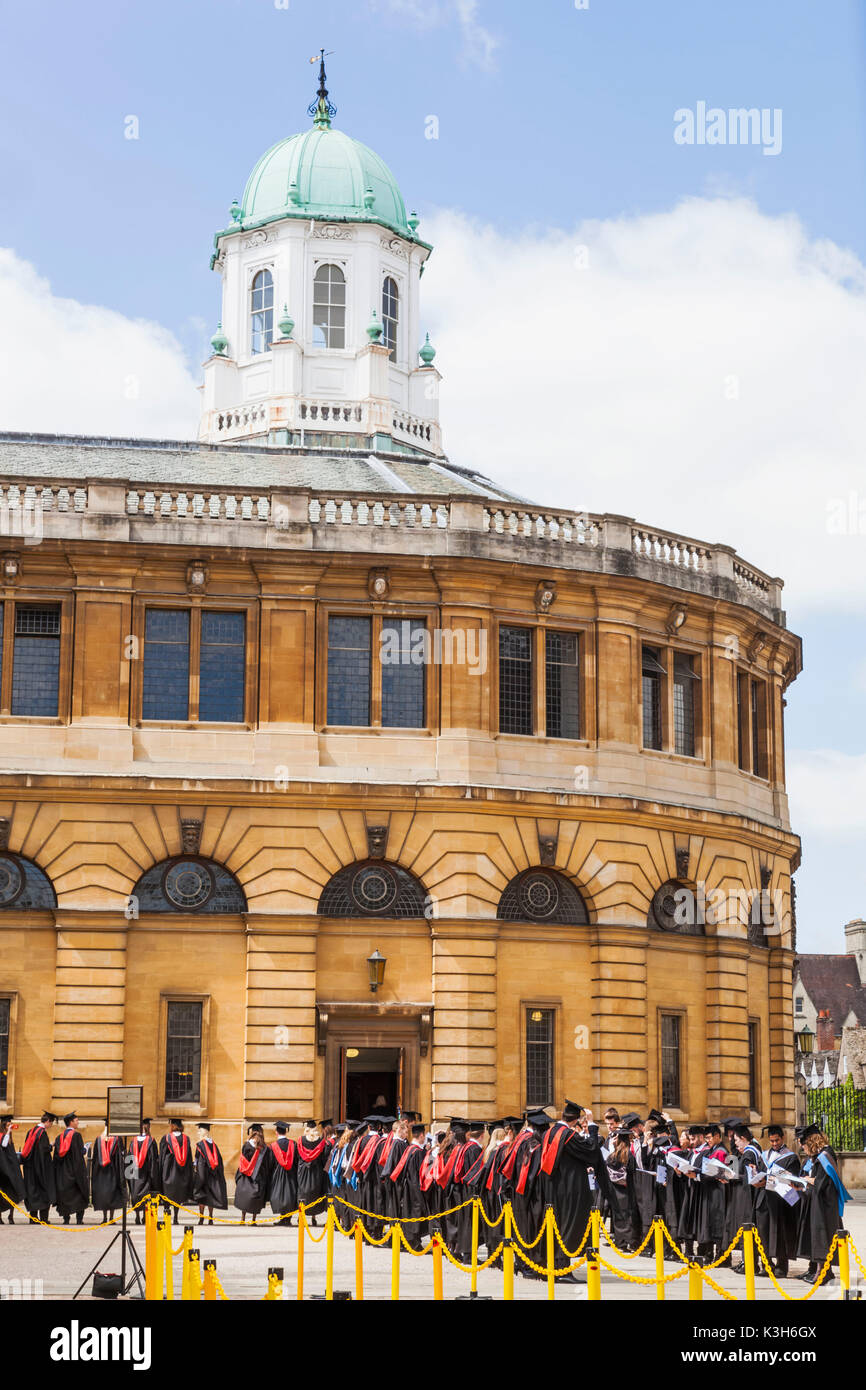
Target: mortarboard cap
x=696, y=1129
x=178, y=1123
x=341, y=1128
x=732, y=1122
x=631, y=1119
x=538, y=1119
x=322, y=1123
x=372, y=1119
x=67, y=1119
x=418, y=1130
x=571, y=1110
x=281, y=1127
x=202, y=1125
x=657, y=1116
x=808, y=1131
x=255, y=1129
x=147, y=1120
x=513, y=1121
x=773, y=1129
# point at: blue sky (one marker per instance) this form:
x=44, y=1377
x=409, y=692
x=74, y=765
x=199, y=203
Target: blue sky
x=551, y=118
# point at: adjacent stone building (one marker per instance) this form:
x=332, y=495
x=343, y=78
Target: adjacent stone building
x=305, y=692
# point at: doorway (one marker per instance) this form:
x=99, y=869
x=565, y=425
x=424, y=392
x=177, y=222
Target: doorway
x=372, y=1081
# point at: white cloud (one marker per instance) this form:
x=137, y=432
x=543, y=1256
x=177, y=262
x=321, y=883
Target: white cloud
x=479, y=45
x=77, y=368
x=827, y=792
x=702, y=372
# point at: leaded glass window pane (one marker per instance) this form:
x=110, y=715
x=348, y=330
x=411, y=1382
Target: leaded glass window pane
x=651, y=692
x=329, y=307
x=753, y=1067
x=222, y=670
x=671, y=1060
x=515, y=680
x=539, y=1057
x=165, y=675
x=36, y=660
x=562, y=691
x=262, y=312
x=404, y=673
x=390, y=309
x=685, y=682
x=183, y=1051
x=349, y=670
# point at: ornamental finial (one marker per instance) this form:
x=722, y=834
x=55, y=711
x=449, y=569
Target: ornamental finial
x=321, y=109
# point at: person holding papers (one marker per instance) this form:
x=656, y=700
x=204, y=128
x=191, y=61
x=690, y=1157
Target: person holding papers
x=783, y=1200
x=828, y=1197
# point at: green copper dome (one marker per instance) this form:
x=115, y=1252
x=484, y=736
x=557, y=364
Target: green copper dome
x=324, y=174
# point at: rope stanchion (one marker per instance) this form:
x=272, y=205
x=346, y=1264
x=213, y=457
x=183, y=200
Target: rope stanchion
x=150, y=1252
x=508, y=1257
x=660, y=1260
x=194, y=1285
x=185, y=1246
x=329, y=1252
x=358, y=1234
x=473, y=1278
x=159, y=1262
x=169, y=1268
x=210, y=1281
x=301, y=1228
x=696, y=1283
x=437, y=1268
x=844, y=1263
x=551, y=1285
x=593, y=1271
x=749, y=1262
x=275, y=1285
x=395, y=1262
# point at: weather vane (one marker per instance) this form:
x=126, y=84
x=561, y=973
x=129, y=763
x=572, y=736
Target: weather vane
x=322, y=109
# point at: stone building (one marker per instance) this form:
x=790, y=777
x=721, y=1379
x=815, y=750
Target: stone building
x=304, y=693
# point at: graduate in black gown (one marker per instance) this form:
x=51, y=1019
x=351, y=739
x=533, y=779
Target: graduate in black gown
x=11, y=1181
x=621, y=1202
x=71, y=1185
x=253, y=1175
x=107, y=1184
x=781, y=1244
x=747, y=1203
x=38, y=1169
x=689, y=1206
x=405, y=1177
x=466, y=1176
x=283, y=1191
x=176, y=1168
x=313, y=1156
x=570, y=1151
x=529, y=1197
x=370, y=1195
x=826, y=1211
x=144, y=1166
x=712, y=1201
x=389, y=1156
x=209, y=1189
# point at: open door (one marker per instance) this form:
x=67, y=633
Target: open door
x=400, y=1069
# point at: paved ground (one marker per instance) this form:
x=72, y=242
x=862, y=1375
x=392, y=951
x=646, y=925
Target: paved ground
x=60, y=1257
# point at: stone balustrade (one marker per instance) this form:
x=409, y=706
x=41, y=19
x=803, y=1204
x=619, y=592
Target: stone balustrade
x=304, y=518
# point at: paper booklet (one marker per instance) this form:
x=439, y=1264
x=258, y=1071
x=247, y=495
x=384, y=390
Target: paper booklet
x=678, y=1163
x=789, y=1179
x=715, y=1168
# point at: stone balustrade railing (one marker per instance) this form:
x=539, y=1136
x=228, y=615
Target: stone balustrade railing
x=303, y=518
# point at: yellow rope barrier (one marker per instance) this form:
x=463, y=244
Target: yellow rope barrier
x=625, y=1254
x=789, y=1298
x=62, y=1225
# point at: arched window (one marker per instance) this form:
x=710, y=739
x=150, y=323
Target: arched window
x=329, y=307
x=23, y=885
x=188, y=883
x=675, y=908
x=372, y=889
x=542, y=895
x=390, y=314
x=262, y=312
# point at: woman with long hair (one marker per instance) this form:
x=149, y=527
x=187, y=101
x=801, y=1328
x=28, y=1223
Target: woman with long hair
x=826, y=1207
x=623, y=1207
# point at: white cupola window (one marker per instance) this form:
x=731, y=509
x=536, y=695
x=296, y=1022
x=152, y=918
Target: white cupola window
x=262, y=312
x=329, y=307
x=390, y=314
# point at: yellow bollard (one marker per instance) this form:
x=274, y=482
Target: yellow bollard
x=696, y=1283
x=169, y=1269
x=275, y=1284
x=437, y=1267
x=593, y=1268
x=359, y=1263
x=473, y=1278
x=195, y=1284
x=507, y=1256
x=329, y=1252
x=159, y=1261
x=184, y=1255
x=301, y=1219
x=749, y=1261
x=551, y=1284
x=844, y=1262
x=395, y=1261
x=209, y=1281
x=660, y=1260
x=150, y=1250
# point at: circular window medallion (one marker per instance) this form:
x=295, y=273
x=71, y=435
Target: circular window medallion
x=539, y=895
x=669, y=913
x=374, y=889
x=188, y=885
x=11, y=880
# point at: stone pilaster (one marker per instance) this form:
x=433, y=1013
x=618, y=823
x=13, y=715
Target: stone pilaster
x=464, y=1028
x=280, y=1039
x=781, y=1023
x=727, y=1055
x=619, y=1018
x=89, y=994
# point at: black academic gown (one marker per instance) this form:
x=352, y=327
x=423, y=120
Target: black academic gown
x=177, y=1178
x=209, y=1189
x=622, y=1206
x=388, y=1161
x=529, y=1201
x=712, y=1205
x=107, y=1186
x=644, y=1186
x=251, y=1189
x=465, y=1187
x=283, y=1192
x=824, y=1218
x=71, y=1185
x=746, y=1203
x=410, y=1198
x=144, y=1156
x=312, y=1161
x=782, y=1216
x=38, y=1170
x=11, y=1181
x=565, y=1164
